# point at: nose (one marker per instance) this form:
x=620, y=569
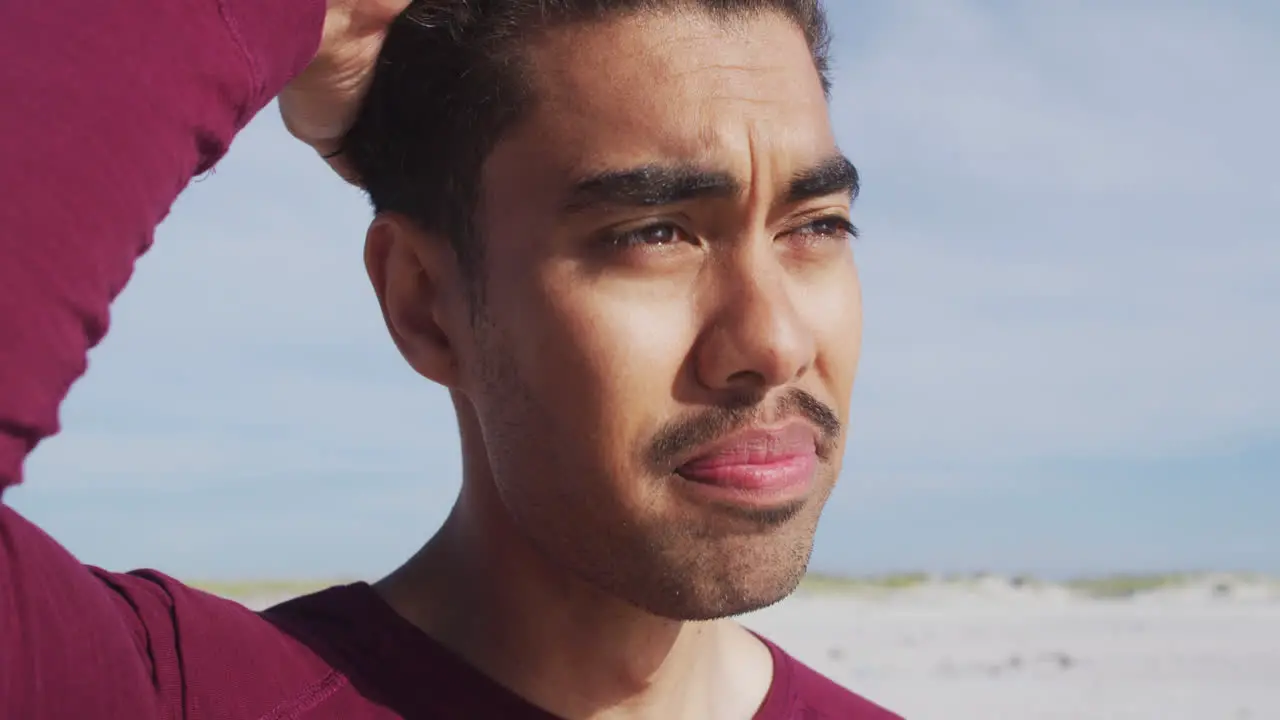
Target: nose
x=757, y=339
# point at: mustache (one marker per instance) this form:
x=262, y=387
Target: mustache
x=675, y=441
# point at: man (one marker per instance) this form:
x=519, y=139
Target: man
x=616, y=231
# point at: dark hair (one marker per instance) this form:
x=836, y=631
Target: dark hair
x=449, y=83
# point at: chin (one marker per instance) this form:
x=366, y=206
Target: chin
x=714, y=602
x=731, y=577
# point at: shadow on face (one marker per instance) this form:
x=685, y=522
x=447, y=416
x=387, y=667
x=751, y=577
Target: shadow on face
x=667, y=268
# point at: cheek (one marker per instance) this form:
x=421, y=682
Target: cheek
x=836, y=311
x=604, y=363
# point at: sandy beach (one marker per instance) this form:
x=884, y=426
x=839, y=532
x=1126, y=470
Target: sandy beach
x=988, y=650
x=1205, y=648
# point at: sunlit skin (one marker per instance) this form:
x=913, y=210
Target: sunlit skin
x=667, y=261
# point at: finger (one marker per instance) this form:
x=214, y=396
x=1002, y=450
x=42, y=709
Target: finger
x=338, y=162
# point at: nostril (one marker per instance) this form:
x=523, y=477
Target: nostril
x=747, y=379
x=747, y=386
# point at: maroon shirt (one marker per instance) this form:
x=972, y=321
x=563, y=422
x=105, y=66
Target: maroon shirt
x=107, y=110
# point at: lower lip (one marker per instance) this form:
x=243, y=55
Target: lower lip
x=783, y=480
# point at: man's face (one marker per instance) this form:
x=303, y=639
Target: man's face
x=671, y=320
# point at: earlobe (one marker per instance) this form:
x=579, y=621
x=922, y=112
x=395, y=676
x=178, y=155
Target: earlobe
x=410, y=274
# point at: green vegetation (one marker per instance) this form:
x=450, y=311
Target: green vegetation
x=1124, y=586
x=1101, y=587
x=825, y=584
x=261, y=588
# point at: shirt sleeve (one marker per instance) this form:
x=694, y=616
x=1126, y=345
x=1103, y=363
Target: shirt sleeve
x=107, y=110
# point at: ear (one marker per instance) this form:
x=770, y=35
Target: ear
x=417, y=282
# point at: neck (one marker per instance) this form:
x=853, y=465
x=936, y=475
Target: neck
x=482, y=590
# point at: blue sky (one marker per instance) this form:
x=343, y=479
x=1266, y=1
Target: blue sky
x=1072, y=276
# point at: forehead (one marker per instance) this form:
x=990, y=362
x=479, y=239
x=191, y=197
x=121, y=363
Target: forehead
x=738, y=93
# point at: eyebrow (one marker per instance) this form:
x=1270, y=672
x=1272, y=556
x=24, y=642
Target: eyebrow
x=650, y=186
x=657, y=185
x=836, y=174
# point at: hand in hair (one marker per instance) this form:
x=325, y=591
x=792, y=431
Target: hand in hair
x=320, y=104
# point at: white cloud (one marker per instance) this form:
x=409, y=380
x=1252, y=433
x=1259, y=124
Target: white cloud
x=1070, y=238
x=1063, y=99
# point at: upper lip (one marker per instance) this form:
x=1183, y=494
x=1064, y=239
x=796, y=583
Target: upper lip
x=790, y=438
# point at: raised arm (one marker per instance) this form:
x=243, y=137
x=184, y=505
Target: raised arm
x=107, y=110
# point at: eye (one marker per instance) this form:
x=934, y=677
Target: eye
x=833, y=227
x=649, y=236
